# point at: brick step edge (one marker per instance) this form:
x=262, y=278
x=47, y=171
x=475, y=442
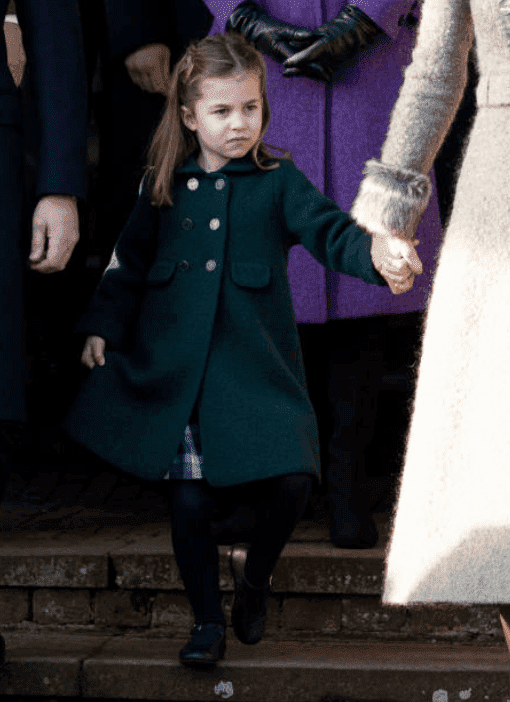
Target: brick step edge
x=134, y=668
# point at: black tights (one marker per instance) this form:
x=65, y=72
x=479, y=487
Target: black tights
x=278, y=502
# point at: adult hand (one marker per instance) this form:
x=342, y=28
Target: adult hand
x=397, y=261
x=339, y=39
x=93, y=352
x=16, y=57
x=55, y=233
x=149, y=68
x=275, y=38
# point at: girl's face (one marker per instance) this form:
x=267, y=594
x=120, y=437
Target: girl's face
x=227, y=118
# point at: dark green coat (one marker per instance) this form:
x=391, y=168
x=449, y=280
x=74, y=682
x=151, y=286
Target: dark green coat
x=195, y=304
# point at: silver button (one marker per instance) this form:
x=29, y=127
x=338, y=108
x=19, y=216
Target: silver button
x=192, y=184
x=214, y=224
x=220, y=184
x=210, y=265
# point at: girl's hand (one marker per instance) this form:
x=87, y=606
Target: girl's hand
x=93, y=352
x=397, y=261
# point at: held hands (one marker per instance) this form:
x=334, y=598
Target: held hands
x=397, y=261
x=55, y=233
x=149, y=68
x=93, y=352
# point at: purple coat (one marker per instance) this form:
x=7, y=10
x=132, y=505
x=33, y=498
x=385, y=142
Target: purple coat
x=331, y=133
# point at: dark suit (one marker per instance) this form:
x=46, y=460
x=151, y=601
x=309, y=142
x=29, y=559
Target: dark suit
x=125, y=114
x=53, y=44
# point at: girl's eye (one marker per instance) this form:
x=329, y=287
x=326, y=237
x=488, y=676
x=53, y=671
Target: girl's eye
x=253, y=107
x=221, y=111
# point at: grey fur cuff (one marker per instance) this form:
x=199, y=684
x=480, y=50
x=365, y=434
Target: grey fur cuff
x=391, y=200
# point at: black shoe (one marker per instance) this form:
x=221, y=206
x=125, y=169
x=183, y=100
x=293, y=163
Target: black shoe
x=352, y=530
x=206, y=646
x=249, y=609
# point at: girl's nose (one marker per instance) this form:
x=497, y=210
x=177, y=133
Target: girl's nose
x=238, y=120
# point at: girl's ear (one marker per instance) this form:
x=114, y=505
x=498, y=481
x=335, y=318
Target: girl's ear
x=188, y=118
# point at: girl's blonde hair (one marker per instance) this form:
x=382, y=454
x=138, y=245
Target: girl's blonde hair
x=216, y=56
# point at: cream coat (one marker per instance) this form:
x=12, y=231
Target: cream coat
x=451, y=532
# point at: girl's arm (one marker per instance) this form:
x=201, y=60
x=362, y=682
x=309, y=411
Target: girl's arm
x=328, y=233
x=396, y=189
x=113, y=310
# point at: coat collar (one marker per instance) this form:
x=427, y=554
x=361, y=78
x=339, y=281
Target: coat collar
x=235, y=165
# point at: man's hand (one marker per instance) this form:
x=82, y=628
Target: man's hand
x=93, y=351
x=16, y=57
x=149, y=68
x=55, y=233
x=397, y=261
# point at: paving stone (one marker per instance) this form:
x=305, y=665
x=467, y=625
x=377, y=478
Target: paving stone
x=154, y=567
x=316, y=614
x=45, y=665
x=447, y=621
x=317, y=568
x=369, y=615
x=298, y=672
x=14, y=606
x=62, y=606
x=52, y=567
x=122, y=608
x=172, y=610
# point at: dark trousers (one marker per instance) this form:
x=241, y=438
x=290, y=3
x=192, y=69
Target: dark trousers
x=353, y=367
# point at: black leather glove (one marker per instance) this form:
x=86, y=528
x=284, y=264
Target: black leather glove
x=337, y=40
x=276, y=39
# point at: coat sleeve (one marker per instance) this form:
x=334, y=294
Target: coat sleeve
x=396, y=189
x=53, y=43
x=133, y=24
x=221, y=11
x=388, y=15
x=328, y=233
x=113, y=310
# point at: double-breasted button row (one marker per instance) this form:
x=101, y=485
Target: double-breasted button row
x=209, y=266
x=193, y=184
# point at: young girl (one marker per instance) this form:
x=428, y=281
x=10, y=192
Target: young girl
x=195, y=313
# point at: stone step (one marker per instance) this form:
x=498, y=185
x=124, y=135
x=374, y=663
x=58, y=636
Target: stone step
x=125, y=579
x=122, y=668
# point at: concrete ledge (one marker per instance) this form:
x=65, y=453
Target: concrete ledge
x=140, y=668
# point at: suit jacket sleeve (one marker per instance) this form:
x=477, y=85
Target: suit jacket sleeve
x=327, y=232
x=133, y=24
x=113, y=310
x=53, y=43
x=392, y=197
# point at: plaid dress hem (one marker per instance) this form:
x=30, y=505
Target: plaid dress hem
x=187, y=465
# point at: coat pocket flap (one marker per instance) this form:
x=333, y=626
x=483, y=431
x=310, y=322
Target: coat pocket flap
x=161, y=272
x=251, y=275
